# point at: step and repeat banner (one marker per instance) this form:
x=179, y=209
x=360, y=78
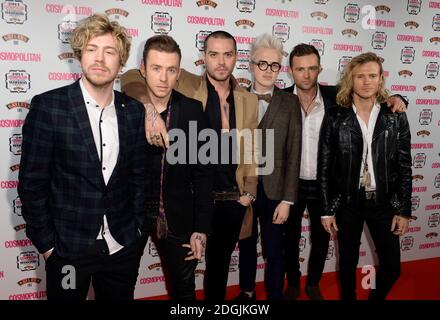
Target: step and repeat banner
x=35, y=56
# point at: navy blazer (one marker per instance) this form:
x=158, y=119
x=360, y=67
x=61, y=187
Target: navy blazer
x=61, y=186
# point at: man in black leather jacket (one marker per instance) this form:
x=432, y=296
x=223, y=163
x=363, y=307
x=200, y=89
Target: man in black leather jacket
x=364, y=172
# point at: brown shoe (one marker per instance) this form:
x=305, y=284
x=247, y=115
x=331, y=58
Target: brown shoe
x=291, y=293
x=314, y=293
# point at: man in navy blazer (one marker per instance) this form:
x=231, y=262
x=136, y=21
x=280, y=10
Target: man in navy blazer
x=82, y=173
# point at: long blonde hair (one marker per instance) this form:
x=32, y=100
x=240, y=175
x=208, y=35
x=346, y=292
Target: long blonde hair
x=345, y=94
x=98, y=25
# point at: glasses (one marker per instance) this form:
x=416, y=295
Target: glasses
x=263, y=65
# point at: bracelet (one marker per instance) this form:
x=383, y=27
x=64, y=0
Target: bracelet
x=249, y=195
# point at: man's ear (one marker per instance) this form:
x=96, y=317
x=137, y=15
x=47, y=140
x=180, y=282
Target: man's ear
x=320, y=69
x=142, y=68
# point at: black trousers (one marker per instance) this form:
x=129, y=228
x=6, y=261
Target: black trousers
x=350, y=223
x=113, y=277
x=227, y=220
x=307, y=198
x=179, y=272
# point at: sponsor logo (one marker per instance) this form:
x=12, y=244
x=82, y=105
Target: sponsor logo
x=199, y=272
x=69, y=9
x=431, y=207
x=19, y=105
x=27, y=261
x=154, y=279
x=401, y=87
x=411, y=24
x=434, y=5
x=281, y=30
x=419, y=189
x=302, y=243
x=321, y=1
x=18, y=243
x=415, y=203
x=167, y=3
x=435, y=40
x=347, y=47
x=414, y=229
x=431, y=235
x=330, y=252
x=157, y=266
x=436, y=165
x=406, y=243
x=246, y=5
x=436, y=196
x=381, y=23
x=15, y=144
x=28, y=281
x=63, y=76
x=117, y=12
x=343, y=62
x=349, y=33
x=14, y=11
x=422, y=145
x=414, y=6
x=282, y=13
x=18, y=81
x=431, y=54
x=245, y=23
x=20, y=56
x=423, y=133
x=242, y=60
x=432, y=69
x=429, y=88
x=205, y=21
x=437, y=181
x=319, y=45
x=351, y=12
x=429, y=245
x=20, y=227
x=407, y=55
x=319, y=15
x=417, y=177
x=382, y=9
x=244, y=82
x=206, y=4
x=15, y=37
x=16, y=123
x=68, y=56
x=28, y=296
x=65, y=30
x=15, y=167
x=200, y=39
x=233, y=265
x=379, y=40
x=199, y=62
x=434, y=220
x=419, y=160
x=405, y=73
x=425, y=117
x=152, y=250
x=161, y=22
x=409, y=38
x=317, y=30
x=280, y=83
x=436, y=22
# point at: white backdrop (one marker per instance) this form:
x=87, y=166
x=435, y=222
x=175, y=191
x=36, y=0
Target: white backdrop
x=35, y=56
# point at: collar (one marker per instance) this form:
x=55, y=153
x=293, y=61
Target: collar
x=319, y=101
x=89, y=101
x=376, y=107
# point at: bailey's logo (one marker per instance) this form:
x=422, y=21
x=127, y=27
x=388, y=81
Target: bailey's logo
x=280, y=83
x=18, y=81
x=302, y=243
x=206, y=4
x=429, y=88
x=68, y=56
x=415, y=203
x=434, y=220
x=16, y=204
x=407, y=55
x=436, y=22
x=15, y=37
x=65, y=30
x=200, y=39
x=382, y=9
x=319, y=45
x=405, y=73
x=28, y=281
x=379, y=40
x=15, y=167
x=246, y=5
x=20, y=227
x=425, y=117
x=116, y=12
x=406, y=243
x=27, y=261
x=419, y=160
x=349, y=33
x=423, y=133
x=432, y=69
x=343, y=62
x=14, y=11
x=411, y=24
x=281, y=30
x=431, y=235
x=199, y=62
x=319, y=15
x=161, y=22
x=435, y=40
x=413, y=218
x=437, y=181
x=19, y=105
x=242, y=60
x=243, y=82
x=330, y=252
x=152, y=250
x=414, y=6
x=351, y=12
x=321, y=1
x=417, y=177
x=436, y=196
x=245, y=23
x=199, y=272
x=156, y=266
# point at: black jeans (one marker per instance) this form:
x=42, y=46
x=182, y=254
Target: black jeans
x=350, y=221
x=307, y=198
x=227, y=220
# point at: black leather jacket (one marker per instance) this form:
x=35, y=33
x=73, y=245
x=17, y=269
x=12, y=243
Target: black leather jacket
x=340, y=159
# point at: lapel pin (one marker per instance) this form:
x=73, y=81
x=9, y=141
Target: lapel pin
x=123, y=105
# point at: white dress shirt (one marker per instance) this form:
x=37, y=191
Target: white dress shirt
x=104, y=124
x=311, y=125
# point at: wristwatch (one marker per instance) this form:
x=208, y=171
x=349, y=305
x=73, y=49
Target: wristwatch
x=249, y=195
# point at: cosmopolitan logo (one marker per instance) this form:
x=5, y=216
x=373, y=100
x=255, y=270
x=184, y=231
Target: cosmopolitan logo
x=116, y=12
x=318, y=30
x=245, y=23
x=246, y=5
x=205, y=21
x=28, y=296
x=65, y=30
x=407, y=55
x=381, y=23
x=132, y=32
x=411, y=24
x=431, y=207
x=351, y=12
x=165, y=3
x=16, y=123
x=422, y=145
x=18, y=81
x=15, y=37
x=319, y=15
x=20, y=56
x=64, y=76
x=409, y=38
x=19, y=105
x=244, y=40
x=207, y=4
x=419, y=189
x=429, y=88
x=429, y=245
x=14, y=11
x=200, y=39
x=414, y=6
x=414, y=229
x=434, y=5
x=68, y=9
x=349, y=33
x=382, y=8
x=281, y=30
x=405, y=73
x=433, y=54
x=29, y=281
x=432, y=69
x=379, y=40
x=423, y=133
x=432, y=102
x=347, y=47
x=436, y=165
x=161, y=22
x=9, y=184
x=18, y=243
x=400, y=87
x=152, y=280
x=282, y=13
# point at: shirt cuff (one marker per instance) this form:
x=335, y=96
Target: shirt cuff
x=326, y=217
x=288, y=202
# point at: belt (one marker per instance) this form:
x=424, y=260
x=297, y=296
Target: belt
x=226, y=196
x=370, y=195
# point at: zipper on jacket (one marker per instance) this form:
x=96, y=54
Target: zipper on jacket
x=386, y=162
x=349, y=165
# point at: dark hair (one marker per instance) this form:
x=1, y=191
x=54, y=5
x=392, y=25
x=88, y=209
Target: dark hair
x=161, y=43
x=303, y=49
x=220, y=34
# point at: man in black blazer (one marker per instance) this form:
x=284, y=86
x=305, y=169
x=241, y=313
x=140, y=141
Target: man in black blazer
x=179, y=187
x=82, y=173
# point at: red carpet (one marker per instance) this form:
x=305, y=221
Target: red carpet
x=419, y=281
